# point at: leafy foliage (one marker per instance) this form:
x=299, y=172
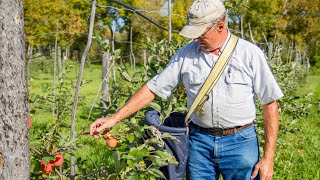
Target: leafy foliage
x=44, y=18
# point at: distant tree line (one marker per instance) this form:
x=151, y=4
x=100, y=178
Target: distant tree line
x=294, y=23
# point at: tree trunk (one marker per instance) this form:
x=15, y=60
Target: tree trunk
x=14, y=108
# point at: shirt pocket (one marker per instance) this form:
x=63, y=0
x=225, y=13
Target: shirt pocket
x=238, y=85
x=193, y=82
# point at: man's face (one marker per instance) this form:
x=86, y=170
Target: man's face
x=210, y=39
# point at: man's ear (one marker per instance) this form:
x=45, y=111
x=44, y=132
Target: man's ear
x=220, y=26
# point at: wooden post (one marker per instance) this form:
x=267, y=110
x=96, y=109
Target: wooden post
x=132, y=59
x=54, y=71
x=145, y=62
x=105, y=76
x=29, y=67
x=270, y=49
x=113, y=36
x=252, y=39
x=241, y=24
x=169, y=22
x=59, y=66
x=131, y=63
x=291, y=51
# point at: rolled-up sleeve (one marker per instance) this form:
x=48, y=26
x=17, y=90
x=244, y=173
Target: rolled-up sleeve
x=264, y=83
x=166, y=81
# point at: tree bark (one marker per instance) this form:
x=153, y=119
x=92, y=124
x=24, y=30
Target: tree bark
x=14, y=107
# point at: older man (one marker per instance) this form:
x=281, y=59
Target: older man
x=231, y=104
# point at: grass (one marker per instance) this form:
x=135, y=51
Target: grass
x=298, y=155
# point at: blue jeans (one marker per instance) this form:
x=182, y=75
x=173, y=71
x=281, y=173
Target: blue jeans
x=233, y=156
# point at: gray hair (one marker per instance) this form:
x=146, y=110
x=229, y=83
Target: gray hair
x=221, y=18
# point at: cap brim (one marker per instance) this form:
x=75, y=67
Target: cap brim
x=192, y=31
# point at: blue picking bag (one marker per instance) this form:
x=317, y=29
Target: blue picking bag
x=174, y=125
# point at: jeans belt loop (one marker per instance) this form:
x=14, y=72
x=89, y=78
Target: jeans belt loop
x=223, y=132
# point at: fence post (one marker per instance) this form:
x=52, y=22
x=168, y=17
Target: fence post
x=145, y=62
x=105, y=76
x=132, y=59
x=59, y=66
x=169, y=22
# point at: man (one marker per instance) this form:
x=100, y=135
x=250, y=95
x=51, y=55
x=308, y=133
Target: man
x=222, y=138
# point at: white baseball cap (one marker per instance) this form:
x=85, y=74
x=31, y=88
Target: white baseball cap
x=201, y=13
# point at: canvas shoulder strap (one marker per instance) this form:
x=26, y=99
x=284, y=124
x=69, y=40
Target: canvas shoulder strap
x=212, y=79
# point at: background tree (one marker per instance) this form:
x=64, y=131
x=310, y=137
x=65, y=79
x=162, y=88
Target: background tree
x=14, y=144
x=45, y=18
x=303, y=22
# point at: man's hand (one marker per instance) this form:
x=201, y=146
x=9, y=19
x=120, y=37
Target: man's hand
x=265, y=167
x=271, y=129
x=139, y=100
x=100, y=124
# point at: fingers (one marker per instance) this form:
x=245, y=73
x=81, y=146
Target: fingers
x=265, y=170
x=256, y=170
x=98, y=129
x=101, y=124
x=93, y=128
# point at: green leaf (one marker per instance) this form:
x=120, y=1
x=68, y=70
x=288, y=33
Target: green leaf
x=47, y=158
x=126, y=76
x=116, y=53
x=138, y=153
x=168, y=136
x=157, y=161
x=154, y=141
x=130, y=138
x=156, y=173
x=167, y=156
x=155, y=106
x=181, y=109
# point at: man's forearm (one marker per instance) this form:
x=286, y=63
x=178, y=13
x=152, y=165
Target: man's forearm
x=271, y=128
x=138, y=101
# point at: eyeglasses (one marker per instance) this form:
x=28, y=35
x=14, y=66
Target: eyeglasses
x=204, y=34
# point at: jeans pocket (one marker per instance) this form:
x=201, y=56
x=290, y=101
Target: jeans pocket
x=247, y=133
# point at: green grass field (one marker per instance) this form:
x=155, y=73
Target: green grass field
x=297, y=157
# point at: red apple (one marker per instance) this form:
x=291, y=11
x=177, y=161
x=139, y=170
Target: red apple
x=181, y=90
x=43, y=166
x=29, y=123
x=58, y=161
x=112, y=142
x=46, y=168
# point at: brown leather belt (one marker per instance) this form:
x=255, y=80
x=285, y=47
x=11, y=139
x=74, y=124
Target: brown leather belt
x=222, y=132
